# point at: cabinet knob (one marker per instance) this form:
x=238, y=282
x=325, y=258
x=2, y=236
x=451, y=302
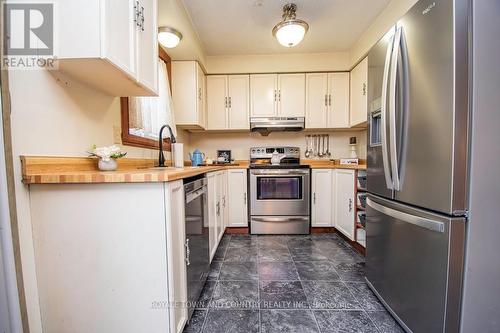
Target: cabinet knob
x=314, y=197
x=364, y=89
x=350, y=205
x=326, y=100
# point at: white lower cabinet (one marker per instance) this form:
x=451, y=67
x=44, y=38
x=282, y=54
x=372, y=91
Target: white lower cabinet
x=333, y=200
x=216, y=209
x=237, y=198
x=322, y=197
x=344, y=202
x=176, y=252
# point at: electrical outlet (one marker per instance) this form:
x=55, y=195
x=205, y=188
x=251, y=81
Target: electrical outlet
x=117, y=134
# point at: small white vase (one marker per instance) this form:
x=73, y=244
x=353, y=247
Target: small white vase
x=109, y=165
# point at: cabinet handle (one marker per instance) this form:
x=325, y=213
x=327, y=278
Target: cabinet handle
x=279, y=95
x=245, y=198
x=330, y=100
x=230, y=104
x=188, y=252
x=326, y=100
x=142, y=18
x=137, y=15
x=314, y=197
x=199, y=94
x=217, y=210
x=364, y=89
x=350, y=205
x=224, y=202
x=275, y=95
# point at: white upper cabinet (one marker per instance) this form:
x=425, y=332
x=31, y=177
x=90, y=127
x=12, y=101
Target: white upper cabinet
x=239, y=102
x=291, y=95
x=217, y=102
x=118, y=54
x=277, y=95
x=344, y=202
x=316, y=100
x=322, y=194
x=228, y=102
x=359, y=93
x=338, y=100
x=327, y=100
x=263, y=95
x=237, y=198
x=188, y=94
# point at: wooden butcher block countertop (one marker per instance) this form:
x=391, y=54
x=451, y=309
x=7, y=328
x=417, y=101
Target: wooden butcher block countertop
x=83, y=170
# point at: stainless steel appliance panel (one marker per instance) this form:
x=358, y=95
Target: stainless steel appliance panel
x=289, y=225
x=414, y=264
x=432, y=166
x=197, y=242
x=279, y=192
x=376, y=179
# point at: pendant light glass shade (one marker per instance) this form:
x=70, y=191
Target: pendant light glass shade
x=290, y=31
x=169, y=37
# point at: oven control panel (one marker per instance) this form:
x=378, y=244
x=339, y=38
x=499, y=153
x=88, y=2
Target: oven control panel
x=267, y=152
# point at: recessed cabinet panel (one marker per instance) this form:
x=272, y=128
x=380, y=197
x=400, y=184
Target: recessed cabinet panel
x=291, y=95
x=263, y=95
x=239, y=101
x=344, y=202
x=316, y=100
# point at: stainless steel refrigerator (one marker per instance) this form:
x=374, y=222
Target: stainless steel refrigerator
x=417, y=165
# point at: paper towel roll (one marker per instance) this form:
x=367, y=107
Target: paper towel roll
x=178, y=155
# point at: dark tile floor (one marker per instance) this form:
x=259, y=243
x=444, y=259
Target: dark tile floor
x=301, y=284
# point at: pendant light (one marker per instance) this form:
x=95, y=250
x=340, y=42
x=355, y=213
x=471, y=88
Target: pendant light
x=169, y=37
x=290, y=31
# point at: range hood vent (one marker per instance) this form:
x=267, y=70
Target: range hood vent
x=266, y=125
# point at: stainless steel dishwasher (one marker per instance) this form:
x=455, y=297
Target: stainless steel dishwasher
x=197, y=247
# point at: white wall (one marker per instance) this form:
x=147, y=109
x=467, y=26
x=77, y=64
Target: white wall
x=240, y=143
x=298, y=62
x=54, y=115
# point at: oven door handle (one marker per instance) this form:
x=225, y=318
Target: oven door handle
x=280, y=172
x=281, y=219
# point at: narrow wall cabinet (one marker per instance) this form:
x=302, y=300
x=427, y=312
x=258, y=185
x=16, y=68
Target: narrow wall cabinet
x=359, y=94
x=188, y=94
x=119, y=55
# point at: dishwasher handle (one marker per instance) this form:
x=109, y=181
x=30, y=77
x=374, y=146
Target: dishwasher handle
x=190, y=196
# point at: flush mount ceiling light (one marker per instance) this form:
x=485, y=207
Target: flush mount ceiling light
x=169, y=37
x=291, y=30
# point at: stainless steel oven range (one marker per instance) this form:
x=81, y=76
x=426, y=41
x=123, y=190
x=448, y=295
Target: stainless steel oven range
x=279, y=191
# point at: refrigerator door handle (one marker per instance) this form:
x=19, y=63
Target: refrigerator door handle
x=415, y=220
x=392, y=109
x=383, y=117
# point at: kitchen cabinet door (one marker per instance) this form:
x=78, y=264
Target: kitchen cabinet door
x=188, y=91
x=359, y=94
x=344, y=202
x=338, y=100
x=317, y=100
x=225, y=201
x=291, y=95
x=322, y=193
x=237, y=198
x=217, y=102
x=239, y=101
x=120, y=33
x=221, y=205
x=263, y=95
x=176, y=249
x=147, y=46
x=212, y=212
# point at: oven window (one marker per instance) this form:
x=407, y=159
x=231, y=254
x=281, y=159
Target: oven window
x=279, y=188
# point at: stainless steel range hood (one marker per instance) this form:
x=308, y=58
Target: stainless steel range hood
x=266, y=125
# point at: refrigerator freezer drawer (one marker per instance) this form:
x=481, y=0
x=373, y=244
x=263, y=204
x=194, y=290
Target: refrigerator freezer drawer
x=414, y=262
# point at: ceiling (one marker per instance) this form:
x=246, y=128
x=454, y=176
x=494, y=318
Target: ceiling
x=236, y=27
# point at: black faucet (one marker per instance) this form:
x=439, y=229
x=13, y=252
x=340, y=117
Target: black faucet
x=161, y=158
